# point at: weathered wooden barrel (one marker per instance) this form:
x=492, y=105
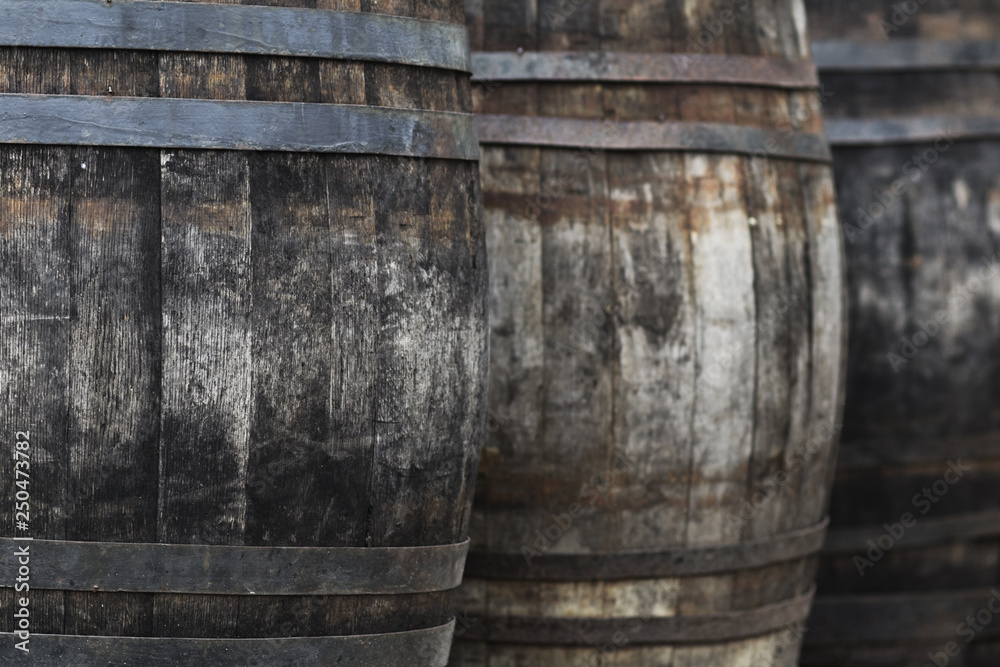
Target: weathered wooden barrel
x=913, y=112
x=244, y=341
x=666, y=313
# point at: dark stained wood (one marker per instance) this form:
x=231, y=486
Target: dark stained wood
x=928, y=249
x=35, y=217
x=666, y=332
x=114, y=369
x=113, y=424
x=207, y=362
x=243, y=348
x=207, y=367
x=875, y=20
x=34, y=226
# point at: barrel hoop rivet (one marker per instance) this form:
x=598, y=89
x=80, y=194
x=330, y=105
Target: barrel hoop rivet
x=619, y=67
x=652, y=136
x=236, y=570
x=701, y=629
x=154, y=122
x=247, y=29
x=679, y=562
x=397, y=649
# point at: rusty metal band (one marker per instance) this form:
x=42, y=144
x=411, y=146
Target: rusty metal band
x=152, y=122
x=248, y=29
x=651, y=136
x=681, y=562
x=644, y=68
x=846, y=132
x=399, y=649
x=221, y=570
x=926, y=531
x=706, y=629
x=905, y=54
x=876, y=453
x=900, y=617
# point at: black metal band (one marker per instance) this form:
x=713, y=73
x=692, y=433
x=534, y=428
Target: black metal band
x=862, y=454
x=187, y=26
x=926, y=531
x=399, y=649
x=707, y=629
x=154, y=122
x=220, y=570
x=846, y=132
x=651, y=136
x=644, y=68
x=681, y=562
x=900, y=617
x=905, y=54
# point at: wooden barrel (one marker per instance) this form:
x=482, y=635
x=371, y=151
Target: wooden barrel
x=666, y=310
x=243, y=298
x=913, y=112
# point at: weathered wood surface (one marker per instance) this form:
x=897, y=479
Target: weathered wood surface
x=922, y=235
x=242, y=348
x=666, y=333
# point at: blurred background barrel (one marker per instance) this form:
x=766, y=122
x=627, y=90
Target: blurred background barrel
x=912, y=103
x=667, y=335
x=243, y=307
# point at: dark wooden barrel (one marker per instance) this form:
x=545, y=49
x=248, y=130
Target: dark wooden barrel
x=243, y=300
x=913, y=113
x=666, y=335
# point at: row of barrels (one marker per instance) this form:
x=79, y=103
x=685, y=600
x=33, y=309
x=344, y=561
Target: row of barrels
x=250, y=297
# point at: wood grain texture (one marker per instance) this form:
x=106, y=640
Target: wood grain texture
x=666, y=331
x=922, y=227
x=259, y=349
x=114, y=368
x=35, y=201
